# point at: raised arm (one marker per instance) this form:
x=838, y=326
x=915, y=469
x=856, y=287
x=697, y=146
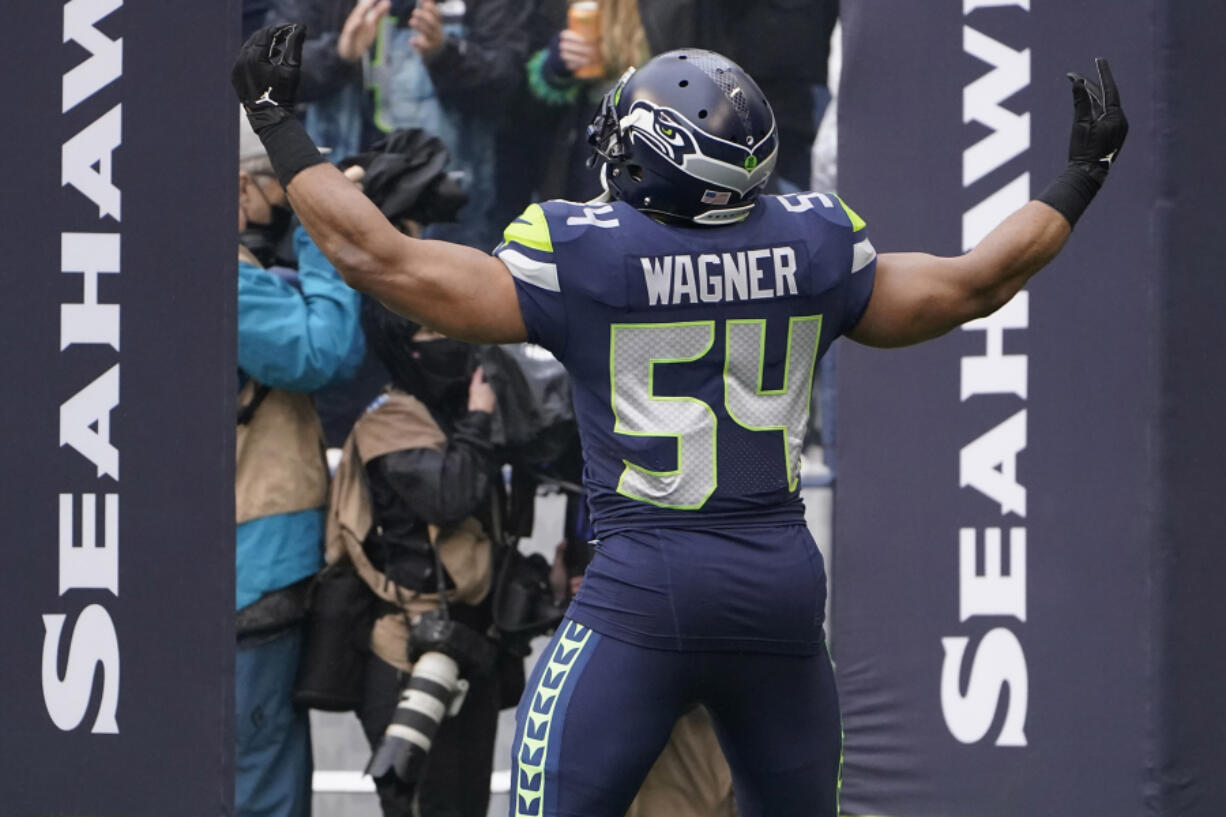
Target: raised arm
x=458, y=291
x=917, y=297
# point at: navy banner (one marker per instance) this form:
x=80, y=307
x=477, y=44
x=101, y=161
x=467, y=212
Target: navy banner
x=1028, y=510
x=117, y=224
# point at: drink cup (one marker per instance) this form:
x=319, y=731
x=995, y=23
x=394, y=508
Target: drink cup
x=583, y=18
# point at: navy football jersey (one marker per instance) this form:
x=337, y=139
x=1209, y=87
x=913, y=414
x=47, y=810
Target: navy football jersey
x=691, y=349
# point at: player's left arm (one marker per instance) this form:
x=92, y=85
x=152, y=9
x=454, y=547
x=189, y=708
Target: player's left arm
x=456, y=290
x=917, y=297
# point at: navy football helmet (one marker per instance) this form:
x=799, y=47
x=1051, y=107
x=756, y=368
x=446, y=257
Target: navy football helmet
x=689, y=137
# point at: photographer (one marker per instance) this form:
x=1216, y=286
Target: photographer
x=413, y=496
x=297, y=331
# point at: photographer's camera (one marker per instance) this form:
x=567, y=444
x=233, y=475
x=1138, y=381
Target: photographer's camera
x=444, y=652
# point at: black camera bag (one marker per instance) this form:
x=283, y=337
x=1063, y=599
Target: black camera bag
x=339, y=620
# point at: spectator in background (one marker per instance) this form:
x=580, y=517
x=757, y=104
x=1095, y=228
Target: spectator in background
x=295, y=334
x=622, y=43
x=445, y=67
x=520, y=161
x=341, y=33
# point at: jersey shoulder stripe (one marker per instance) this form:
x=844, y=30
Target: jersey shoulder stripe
x=542, y=227
x=533, y=242
x=834, y=212
x=857, y=223
x=543, y=274
x=530, y=229
x=527, y=250
x=863, y=252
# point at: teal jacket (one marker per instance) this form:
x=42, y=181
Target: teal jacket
x=296, y=338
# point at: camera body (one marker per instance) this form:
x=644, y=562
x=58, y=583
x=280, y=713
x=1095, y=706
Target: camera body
x=435, y=631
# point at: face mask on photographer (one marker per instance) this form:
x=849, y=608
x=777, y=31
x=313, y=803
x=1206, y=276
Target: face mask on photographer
x=446, y=367
x=263, y=238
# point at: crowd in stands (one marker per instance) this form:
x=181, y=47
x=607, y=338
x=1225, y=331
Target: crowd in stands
x=452, y=115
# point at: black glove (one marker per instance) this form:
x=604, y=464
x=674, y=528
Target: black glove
x=1099, y=124
x=265, y=77
x=265, y=74
x=1099, y=128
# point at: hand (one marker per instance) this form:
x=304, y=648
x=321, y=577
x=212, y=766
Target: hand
x=265, y=74
x=360, y=29
x=427, y=22
x=480, y=396
x=1099, y=124
x=576, y=52
x=564, y=587
x=355, y=174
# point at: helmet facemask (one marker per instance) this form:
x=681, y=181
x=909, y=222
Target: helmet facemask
x=604, y=134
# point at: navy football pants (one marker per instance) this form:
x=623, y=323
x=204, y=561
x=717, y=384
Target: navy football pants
x=597, y=712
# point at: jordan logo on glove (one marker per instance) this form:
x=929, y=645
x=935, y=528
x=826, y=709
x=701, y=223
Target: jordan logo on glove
x=267, y=97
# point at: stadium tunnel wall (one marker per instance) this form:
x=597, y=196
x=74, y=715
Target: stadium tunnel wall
x=117, y=219
x=1029, y=522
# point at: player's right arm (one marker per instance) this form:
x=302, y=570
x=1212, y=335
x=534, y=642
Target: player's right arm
x=917, y=297
x=458, y=291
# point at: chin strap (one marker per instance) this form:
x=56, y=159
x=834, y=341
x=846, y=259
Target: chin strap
x=606, y=196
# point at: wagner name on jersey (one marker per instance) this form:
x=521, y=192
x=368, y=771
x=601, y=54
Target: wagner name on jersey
x=691, y=349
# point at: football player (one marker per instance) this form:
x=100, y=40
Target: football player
x=689, y=311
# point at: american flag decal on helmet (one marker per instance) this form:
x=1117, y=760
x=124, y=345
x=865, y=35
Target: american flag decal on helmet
x=716, y=197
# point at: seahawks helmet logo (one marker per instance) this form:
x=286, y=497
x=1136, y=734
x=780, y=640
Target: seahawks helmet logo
x=699, y=154
x=660, y=129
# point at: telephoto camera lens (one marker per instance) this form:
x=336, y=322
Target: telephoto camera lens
x=434, y=689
